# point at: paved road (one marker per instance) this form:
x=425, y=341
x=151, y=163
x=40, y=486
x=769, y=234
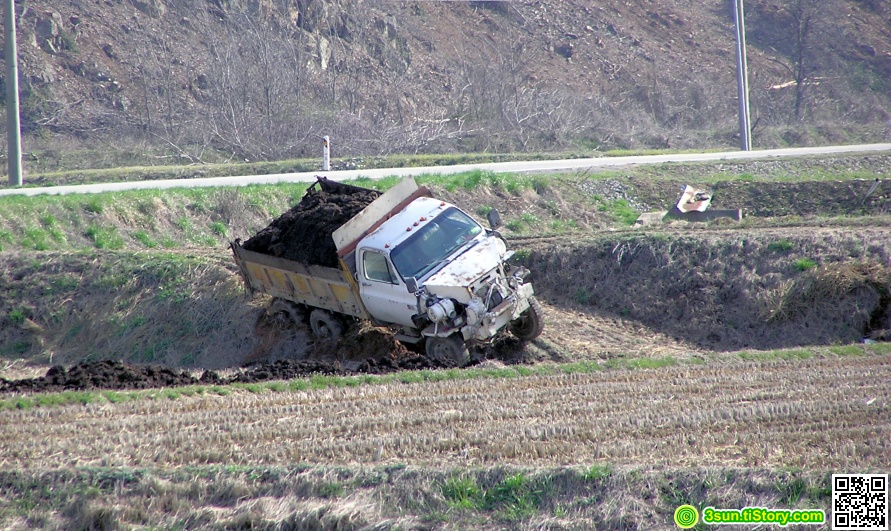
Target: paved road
x=518, y=166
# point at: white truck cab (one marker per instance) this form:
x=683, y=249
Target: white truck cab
x=437, y=273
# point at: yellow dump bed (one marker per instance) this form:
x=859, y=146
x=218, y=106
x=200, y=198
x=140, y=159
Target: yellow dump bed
x=317, y=286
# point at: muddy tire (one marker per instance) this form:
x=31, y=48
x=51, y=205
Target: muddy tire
x=285, y=311
x=530, y=324
x=450, y=351
x=324, y=324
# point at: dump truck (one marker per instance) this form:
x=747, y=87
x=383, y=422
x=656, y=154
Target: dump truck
x=417, y=265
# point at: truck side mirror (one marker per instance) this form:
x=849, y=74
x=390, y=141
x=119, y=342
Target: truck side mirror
x=494, y=219
x=412, y=284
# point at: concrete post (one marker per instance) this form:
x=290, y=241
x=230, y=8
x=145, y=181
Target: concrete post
x=326, y=153
x=13, y=125
x=742, y=73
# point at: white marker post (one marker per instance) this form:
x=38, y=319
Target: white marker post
x=742, y=75
x=326, y=154
x=13, y=122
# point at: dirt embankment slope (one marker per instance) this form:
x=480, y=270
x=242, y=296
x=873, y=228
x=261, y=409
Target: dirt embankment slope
x=728, y=290
x=809, y=266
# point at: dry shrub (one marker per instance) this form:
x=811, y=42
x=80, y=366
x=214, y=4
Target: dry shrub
x=860, y=287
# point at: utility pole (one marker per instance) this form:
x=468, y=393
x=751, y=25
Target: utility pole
x=742, y=75
x=13, y=125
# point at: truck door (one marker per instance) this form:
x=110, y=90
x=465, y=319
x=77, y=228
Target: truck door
x=385, y=296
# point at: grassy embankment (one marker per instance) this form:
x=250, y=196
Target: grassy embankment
x=144, y=275
x=130, y=275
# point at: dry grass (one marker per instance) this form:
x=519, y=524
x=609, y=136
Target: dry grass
x=178, y=308
x=867, y=284
x=389, y=497
x=718, y=290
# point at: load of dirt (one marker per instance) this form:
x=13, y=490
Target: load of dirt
x=303, y=233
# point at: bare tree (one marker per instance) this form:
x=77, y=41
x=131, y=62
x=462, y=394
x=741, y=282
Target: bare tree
x=254, y=82
x=163, y=110
x=803, y=35
x=803, y=15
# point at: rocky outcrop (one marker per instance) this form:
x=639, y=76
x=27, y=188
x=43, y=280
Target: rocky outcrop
x=152, y=8
x=258, y=78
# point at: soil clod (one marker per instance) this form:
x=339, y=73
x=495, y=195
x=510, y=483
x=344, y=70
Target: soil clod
x=120, y=376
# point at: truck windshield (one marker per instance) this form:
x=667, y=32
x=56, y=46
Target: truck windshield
x=434, y=242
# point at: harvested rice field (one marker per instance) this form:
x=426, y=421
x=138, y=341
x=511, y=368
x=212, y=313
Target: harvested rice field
x=831, y=411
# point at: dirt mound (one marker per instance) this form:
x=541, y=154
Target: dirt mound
x=290, y=369
x=303, y=233
x=363, y=349
x=100, y=375
x=361, y=342
x=375, y=352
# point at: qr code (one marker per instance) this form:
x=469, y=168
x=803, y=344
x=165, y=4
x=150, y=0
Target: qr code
x=860, y=501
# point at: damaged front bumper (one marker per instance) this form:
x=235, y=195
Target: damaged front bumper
x=489, y=324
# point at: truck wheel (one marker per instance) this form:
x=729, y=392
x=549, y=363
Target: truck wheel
x=530, y=324
x=286, y=310
x=451, y=351
x=324, y=324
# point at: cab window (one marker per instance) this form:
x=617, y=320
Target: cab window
x=377, y=268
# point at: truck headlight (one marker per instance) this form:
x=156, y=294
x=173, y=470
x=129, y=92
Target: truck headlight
x=441, y=311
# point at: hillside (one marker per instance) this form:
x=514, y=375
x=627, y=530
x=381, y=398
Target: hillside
x=207, y=80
